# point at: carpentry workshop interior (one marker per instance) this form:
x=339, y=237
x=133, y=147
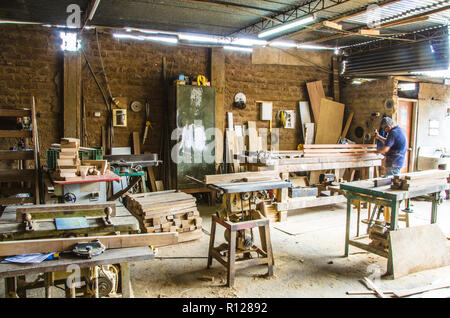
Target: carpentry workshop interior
x=224, y=149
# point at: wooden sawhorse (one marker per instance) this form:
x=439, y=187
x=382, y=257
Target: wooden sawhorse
x=230, y=262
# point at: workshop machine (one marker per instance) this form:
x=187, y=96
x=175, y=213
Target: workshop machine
x=69, y=220
x=242, y=208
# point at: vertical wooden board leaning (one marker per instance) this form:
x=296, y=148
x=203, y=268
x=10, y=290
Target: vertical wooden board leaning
x=329, y=125
x=316, y=93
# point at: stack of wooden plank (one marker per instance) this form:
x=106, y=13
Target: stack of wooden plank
x=166, y=211
x=338, y=150
x=417, y=180
x=69, y=159
x=71, y=168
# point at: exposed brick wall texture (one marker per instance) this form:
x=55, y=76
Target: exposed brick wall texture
x=283, y=85
x=31, y=65
x=134, y=70
x=365, y=99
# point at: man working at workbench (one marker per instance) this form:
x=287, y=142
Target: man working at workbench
x=394, y=147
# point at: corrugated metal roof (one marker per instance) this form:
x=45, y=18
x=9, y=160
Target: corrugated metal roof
x=216, y=19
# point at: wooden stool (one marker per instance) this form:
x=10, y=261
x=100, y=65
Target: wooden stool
x=230, y=262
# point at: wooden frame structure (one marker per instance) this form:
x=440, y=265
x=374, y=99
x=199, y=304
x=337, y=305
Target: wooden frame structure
x=364, y=191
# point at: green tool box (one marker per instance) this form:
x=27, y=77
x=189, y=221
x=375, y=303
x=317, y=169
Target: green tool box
x=53, y=154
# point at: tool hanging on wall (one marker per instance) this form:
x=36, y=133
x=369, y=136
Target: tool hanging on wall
x=201, y=80
x=148, y=124
x=240, y=101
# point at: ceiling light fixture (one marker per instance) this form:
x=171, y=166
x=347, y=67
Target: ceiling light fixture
x=283, y=44
x=203, y=38
x=248, y=42
x=238, y=48
x=314, y=47
x=165, y=39
x=286, y=26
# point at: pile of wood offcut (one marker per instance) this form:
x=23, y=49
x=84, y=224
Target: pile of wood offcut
x=166, y=211
x=417, y=180
x=71, y=168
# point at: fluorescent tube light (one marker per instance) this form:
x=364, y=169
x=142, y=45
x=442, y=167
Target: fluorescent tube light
x=313, y=47
x=238, y=48
x=248, y=42
x=285, y=26
x=203, y=38
x=165, y=39
x=283, y=44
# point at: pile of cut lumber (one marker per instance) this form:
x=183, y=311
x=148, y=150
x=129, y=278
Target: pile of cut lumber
x=71, y=168
x=166, y=211
x=416, y=180
x=338, y=150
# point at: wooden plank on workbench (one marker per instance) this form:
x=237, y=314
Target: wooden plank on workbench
x=8, y=248
x=230, y=177
x=45, y=208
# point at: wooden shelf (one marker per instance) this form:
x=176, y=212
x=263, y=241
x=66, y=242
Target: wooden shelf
x=6, y=201
x=16, y=154
x=7, y=112
x=15, y=133
x=11, y=175
x=15, y=190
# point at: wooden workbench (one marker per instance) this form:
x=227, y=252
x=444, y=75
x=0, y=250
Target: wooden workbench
x=122, y=256
x=10, y=229
x=365, y=191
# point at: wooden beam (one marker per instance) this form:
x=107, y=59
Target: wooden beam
x=218, y=81
x=8, y=248
x=72, y=94
x=332, y=25
x=48, y=208
x=15, y=133
x=5, y=112
x=341, y=18
x=369, y=32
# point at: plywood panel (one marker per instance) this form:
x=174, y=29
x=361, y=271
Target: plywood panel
x=252, y=137
x=329, y=125
x=316, y=93
x=418, y=248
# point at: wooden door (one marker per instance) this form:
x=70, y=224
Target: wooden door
x=404, y=120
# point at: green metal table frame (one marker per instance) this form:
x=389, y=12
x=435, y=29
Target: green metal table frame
x=384, y=196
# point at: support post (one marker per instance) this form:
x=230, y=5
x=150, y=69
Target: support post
x=72, y=95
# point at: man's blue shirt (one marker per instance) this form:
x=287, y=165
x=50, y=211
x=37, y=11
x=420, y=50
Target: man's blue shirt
x=396, y=140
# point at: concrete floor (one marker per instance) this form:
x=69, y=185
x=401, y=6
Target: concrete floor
x=309, y=264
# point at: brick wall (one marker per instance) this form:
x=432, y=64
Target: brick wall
x=365, y=99
x=31, y=64
x=284, y=85
x=134, y=70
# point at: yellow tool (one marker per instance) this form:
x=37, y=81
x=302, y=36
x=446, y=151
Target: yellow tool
x=201, y=80
x=148, y=124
